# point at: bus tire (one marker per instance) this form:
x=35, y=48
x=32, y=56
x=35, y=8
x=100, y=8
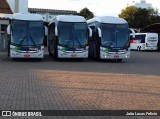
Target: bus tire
x=98, y=54
x=55, y=52
x=8, y=53
x=49, y=51
x=8, y=49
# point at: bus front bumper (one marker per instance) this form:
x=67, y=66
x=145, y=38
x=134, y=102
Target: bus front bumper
x=114, y=55
x=72, y=54
x=15, y=54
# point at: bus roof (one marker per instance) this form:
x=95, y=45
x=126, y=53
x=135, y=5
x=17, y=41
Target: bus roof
x=29, y=17
x=70, y=18
x=144, y=33
x=108, y=19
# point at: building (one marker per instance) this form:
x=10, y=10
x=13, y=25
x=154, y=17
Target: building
x=155, y=28
x=143, y=4
x=5, y=14
x=49, y=14
x=18, y=6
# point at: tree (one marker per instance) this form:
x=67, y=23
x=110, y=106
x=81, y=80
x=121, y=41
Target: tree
x=86, y=13
x=138, y=17
x=129, y=14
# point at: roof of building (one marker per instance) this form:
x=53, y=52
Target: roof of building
x=152, y=28
x=51, y=10
x=4, y=7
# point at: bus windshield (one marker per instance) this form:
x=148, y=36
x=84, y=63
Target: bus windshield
x=27, y=32
x=114, y=35
x=72, y=34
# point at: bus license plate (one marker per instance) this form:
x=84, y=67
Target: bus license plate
x=116, y=56
x=73, y=55
x=26, y=55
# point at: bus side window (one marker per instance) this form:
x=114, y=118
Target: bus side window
x=53, y=29
x=141, y=38
x=93, y=32
x=97, y=38
x=51, y=34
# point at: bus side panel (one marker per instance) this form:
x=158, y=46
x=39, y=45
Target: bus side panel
x=137, y=43
x=151, y=41
x=91, y=44
x=51, y=38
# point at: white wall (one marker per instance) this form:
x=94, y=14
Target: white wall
x=6, y=15
x=23, y=5
x=143, y=4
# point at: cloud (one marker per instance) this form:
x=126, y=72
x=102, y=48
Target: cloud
x=99, y=7
x=75, y=0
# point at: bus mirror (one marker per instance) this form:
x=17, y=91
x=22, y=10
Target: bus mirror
x=90, y=32
x=46, y=31
x=56, y=31
x=9, y=29
x=132, y=32
x=99, y=32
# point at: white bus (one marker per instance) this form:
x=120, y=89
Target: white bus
x=27, y=33
x=110, y=38
x=68, y=37
x=144, y=41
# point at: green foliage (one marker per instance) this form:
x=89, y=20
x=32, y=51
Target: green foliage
x=138, y=17
x=86, y=13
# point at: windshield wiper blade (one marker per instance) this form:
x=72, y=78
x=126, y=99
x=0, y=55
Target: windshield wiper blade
x=78, y=42
x=33, y=40
x=22, y=40
x=68, y=43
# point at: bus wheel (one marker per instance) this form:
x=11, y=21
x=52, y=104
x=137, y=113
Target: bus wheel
x=55, y=52
x=49, y=51
x=8, y=53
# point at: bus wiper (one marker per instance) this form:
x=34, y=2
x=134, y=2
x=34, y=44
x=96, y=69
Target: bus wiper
x=22, y=40
x=68, y=43
x=70, y=39
x=112, y=41
x=33, y=40
x=78, y=42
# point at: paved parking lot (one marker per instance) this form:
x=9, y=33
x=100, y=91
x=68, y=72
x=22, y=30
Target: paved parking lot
x=133, y=84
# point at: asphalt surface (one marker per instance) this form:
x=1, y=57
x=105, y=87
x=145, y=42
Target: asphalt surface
x=133, y=84
x=140, y=63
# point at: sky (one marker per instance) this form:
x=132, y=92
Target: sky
x=98, y=7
